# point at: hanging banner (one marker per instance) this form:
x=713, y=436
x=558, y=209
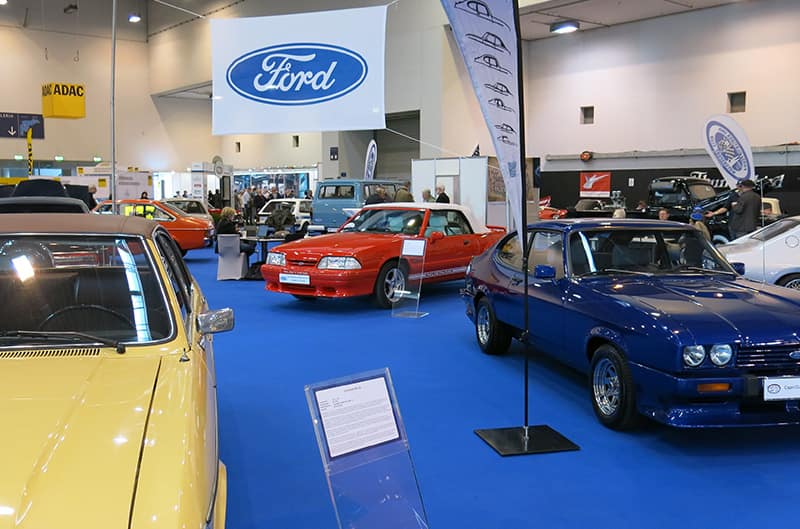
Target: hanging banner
x=595, y=184
x=727, y=144
x=299, y=73
x=371, y=160
x=487, y=37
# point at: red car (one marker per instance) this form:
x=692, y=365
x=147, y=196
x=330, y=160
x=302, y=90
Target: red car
x=363, y=257
x=547, y=212
x=189, y=232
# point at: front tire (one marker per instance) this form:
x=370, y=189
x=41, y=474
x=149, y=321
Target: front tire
x=789, y=281
x=493, y=336
x=391, y=282
x=613, y=393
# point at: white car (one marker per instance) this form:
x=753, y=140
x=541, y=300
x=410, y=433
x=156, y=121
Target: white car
x=191, y=206
x=770, y=254
x=301, y=209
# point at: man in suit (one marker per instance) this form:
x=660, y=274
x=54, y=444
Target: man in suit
x=441, y=196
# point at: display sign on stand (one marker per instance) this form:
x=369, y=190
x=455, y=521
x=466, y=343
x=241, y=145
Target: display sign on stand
x=365, y=452
x=408, y=293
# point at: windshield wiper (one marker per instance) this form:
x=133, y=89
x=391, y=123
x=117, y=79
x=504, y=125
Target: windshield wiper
x=616, y=271
x=701, y=269
x=70, y=336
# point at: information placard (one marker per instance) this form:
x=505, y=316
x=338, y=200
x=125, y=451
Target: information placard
x=365, y=452
x=356, y=416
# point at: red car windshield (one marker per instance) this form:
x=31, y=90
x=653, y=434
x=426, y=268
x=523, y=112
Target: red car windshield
x=406, y=221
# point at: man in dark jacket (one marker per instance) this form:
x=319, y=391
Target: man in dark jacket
x=745, y=210
x=441, y=196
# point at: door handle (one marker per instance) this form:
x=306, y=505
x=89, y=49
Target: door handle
x=516, y=281
x=466, y=242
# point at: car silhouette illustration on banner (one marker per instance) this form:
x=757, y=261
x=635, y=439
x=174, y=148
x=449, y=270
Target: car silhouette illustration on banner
x=498, y=87
x=491, y=40
x=297, y=74
x=481, y=10
x=492, y=62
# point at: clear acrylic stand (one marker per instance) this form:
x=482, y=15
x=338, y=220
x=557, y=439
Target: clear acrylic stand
x=365, y=452
x=407, y=306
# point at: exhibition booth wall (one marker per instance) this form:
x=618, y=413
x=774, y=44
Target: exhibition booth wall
x=151, y=133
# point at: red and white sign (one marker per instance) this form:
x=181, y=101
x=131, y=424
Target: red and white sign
x=595, y=184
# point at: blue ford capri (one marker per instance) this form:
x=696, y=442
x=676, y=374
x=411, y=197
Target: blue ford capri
x=663, y=325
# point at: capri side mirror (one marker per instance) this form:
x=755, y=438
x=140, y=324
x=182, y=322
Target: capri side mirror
x=544, y=272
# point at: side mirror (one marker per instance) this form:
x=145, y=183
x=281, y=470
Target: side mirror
x=436, y=236
x=215, y=321
x=739, y=268
x=544, y=272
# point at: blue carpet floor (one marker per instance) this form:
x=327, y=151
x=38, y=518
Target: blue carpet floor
x=657, y=477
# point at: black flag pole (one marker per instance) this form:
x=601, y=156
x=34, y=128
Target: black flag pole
x=539, y=439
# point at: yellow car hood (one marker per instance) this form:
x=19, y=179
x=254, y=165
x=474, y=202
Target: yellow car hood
x=71, y=437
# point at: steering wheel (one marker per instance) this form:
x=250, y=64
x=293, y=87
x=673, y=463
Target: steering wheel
x=67, y=319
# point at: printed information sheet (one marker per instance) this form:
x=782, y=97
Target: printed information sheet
x=356, y=416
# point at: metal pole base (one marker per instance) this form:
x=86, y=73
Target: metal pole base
x=541, y=439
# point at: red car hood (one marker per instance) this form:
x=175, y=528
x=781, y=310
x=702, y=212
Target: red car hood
x=346, y=243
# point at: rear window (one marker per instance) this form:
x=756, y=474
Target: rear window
x=106, y=287
x=305, y=207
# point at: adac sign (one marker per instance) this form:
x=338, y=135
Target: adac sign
x=62, y=100
x=297, y=74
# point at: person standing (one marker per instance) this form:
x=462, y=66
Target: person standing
x=744, y=210
x=441, y=196
x=91, y=203
x=426, y=196
x=403, y=194
x=378, y=197
x=246, y=202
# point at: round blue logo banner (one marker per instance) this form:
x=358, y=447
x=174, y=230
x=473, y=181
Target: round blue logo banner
x=297, y=74
x=727, y=144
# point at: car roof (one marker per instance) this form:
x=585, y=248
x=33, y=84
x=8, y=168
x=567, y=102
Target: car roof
x=32, y=223
x=687, y=179
x=584, y=223
x=358, y=181
x=289, y=200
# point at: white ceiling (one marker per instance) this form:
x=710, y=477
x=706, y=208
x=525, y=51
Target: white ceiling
x=93, y=17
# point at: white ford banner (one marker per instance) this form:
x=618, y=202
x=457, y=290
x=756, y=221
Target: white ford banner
x=299, y=73
x=487, y=37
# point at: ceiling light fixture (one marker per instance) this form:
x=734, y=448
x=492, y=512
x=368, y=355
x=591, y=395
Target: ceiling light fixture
x=3, y=2
x=133, y=18
x=565, y=26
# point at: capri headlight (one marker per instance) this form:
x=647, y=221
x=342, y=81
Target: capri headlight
x=338, y=263
x=720, y=354
x=275, y=258
x=693, y=355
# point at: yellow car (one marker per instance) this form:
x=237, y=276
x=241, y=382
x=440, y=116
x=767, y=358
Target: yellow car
x=108, y=406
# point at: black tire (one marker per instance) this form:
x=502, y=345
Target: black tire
x=612, y=389
x=392, y=278
x=493, y=336
x=789, y=281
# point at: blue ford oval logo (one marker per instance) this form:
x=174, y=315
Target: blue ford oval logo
x=794, y=355
x=297, y=74
x=727, y=149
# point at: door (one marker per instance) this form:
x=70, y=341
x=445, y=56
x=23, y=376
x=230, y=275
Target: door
x=449, y=255
x=545, y=296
